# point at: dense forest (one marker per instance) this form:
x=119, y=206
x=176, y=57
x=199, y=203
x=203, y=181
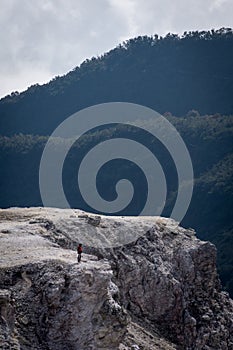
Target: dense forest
x=188, y=79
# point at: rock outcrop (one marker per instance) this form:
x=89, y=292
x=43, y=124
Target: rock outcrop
x=169, y=278
x=160, y=291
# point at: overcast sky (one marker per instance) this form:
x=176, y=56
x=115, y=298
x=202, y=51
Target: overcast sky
x=40, y=39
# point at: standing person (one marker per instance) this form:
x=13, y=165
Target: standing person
x=79, y=251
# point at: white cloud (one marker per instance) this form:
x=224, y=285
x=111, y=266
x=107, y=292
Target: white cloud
x=127, y=10
x=216, y=4
x=41, y=39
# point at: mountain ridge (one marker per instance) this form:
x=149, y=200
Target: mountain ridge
x=171, y=74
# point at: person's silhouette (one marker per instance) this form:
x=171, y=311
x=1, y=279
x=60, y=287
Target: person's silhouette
x=79, y=251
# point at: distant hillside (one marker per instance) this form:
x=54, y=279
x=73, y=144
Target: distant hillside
x=173, y=73
x=209, y=140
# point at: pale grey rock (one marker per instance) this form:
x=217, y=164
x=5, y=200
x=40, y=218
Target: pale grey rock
x=171, y=280
x=47, y=299
x=62, y=306
x=165, y=278
x=8, y=333
x=94, y=220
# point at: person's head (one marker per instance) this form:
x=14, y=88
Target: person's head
x=80, y=244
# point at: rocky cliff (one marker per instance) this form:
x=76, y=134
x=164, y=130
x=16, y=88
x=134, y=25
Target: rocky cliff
x=160, y=291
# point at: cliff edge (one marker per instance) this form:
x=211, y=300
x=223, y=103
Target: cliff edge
x=161, y=291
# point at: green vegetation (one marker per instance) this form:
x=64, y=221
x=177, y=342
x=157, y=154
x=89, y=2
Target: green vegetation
x=209, y=140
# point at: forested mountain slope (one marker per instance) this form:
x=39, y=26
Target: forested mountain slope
x=172, y=74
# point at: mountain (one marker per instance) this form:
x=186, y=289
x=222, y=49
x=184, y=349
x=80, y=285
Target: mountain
x=158, y=292
x=171, y=74
x=189, y=79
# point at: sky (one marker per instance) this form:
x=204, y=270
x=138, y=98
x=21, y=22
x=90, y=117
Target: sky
x=43, y=39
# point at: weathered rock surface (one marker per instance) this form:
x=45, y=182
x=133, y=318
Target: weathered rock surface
x=165, y=280
x=48, y=301
x=169, y=278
